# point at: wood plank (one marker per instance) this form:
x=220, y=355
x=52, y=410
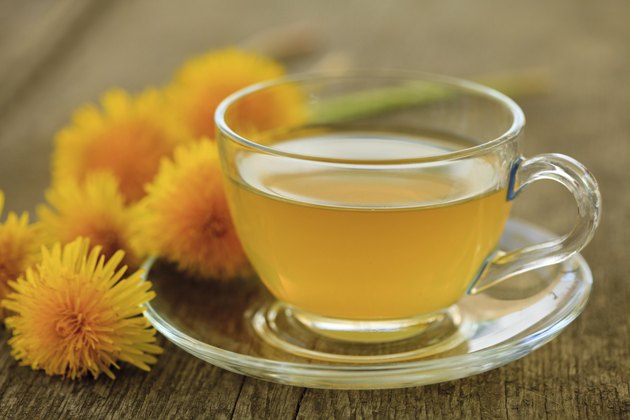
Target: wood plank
x=33, y=34
x=179, y=386
x=266, y=400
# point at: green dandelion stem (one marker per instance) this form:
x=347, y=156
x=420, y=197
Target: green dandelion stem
x=377, y=101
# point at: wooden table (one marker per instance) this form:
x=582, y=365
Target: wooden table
x=55, y=55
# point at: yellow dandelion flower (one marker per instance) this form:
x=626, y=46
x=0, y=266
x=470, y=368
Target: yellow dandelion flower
x=95, y=210
x=127, y=137
x=187, y=218
x=19, y=248
x=203, y=82
x=75, y=313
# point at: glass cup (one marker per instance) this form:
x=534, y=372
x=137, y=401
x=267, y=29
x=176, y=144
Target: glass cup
x=370, y=204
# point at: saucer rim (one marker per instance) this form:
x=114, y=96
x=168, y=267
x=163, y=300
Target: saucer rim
x=336, y=376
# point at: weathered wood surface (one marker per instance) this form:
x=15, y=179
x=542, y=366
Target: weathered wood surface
x=585, y=48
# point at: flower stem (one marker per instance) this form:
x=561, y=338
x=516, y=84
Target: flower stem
x=377, y=101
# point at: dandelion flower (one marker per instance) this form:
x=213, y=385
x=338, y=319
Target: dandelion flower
x=74, y=313
x=203, y=82
x=19, y=248
x=127, y=137
x=95, y=210
x=187, y=217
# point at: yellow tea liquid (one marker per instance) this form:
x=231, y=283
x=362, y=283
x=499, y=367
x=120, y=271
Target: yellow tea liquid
x=367, y=243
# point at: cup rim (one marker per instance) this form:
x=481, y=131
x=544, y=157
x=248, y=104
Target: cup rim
x=516, y=127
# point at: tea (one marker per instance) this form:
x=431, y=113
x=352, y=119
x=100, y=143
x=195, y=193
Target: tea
x=367, y=241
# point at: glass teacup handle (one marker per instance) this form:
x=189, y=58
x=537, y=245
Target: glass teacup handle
x=577, y=179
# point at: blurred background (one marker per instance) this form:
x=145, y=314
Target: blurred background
x=57, y=54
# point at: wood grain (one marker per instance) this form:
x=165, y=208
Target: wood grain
x=582, y=45
x=34, y=34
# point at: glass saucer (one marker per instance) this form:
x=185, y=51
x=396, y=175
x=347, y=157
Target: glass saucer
x=213, y=321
